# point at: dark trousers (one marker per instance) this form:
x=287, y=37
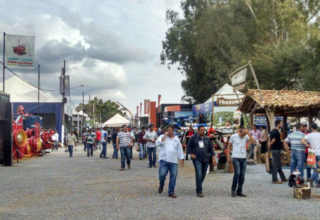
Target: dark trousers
x=115, y=152
x=240, y=165
x=84, y=146
x=201, y=172
x=89, y=150
x=264, y=147
x=276, y=165
x=104, y=149
x=70, y=149
x=152, y=155
x=125, y=154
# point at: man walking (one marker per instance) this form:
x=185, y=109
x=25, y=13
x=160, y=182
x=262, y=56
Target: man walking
x=150, y=137
x=98, y=139
x=297, y=149
x=312, y=140
x=142, y=143
x=91, y=141
x=124, y=142
x=275, y=146
x=170, y=149
x=114, y=143
x=200, y=148
x=71, y=140
x=104, y=136
x=238, y=142
x=84, y=139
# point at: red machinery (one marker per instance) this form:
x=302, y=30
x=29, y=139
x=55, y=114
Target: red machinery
x=34, y=138
x=47, y=142
x=20, y=139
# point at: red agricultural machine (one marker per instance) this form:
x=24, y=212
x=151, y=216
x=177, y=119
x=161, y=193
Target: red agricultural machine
x=30, y=141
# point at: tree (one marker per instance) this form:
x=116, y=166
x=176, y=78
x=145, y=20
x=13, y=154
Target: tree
x=214, y=37
x=99, y=110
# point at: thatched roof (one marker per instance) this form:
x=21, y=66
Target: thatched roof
x=284, y=102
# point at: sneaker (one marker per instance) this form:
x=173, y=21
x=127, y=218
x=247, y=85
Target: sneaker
x=149, y=166
x=233, y=194
x=121, y=169
x=285, y=180
x=241, y=195
x=172, y=195
x=200, y=195
x=160, y=189
x=129, y=167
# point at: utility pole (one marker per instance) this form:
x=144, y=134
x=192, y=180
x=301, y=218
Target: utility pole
x=38, y=89
x=4, y=61
x=83, y=119
x=63, y=77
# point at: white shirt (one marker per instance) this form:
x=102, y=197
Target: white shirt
x=150, y=135
x=314, y=141
x=170, y=150
x=239, y=149
x=55, y=137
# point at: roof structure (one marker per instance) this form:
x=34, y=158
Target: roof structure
x=282, y=102
x=226, y=91
x=21, y=91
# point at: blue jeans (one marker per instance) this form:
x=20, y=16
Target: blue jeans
x=90, y=150
x=297, y=161
x=98, y=143
x=125, y=153
x=164, y=168
x=104, y=149
x=152, y=155
x=201, y=172
x=70, y=149
x=240, y=165
x=84, y=146
x=141, y=151
x=315, y=175
x=115, y=151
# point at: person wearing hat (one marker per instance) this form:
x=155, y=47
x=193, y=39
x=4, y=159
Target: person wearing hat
x=150, y=137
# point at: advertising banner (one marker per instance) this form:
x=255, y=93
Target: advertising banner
x=19, y=51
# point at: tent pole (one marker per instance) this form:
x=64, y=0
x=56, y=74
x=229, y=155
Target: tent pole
x=4, y=61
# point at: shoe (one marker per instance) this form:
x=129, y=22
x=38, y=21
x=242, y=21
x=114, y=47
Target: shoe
x=149, y=166
x=129, y=167
x=140, y=158
x=200, y=195
x=241, y=195
x=160, y=189
x=308, y=179
x=122, y=169
x=285, y=180
x=155, y=166
x=172, y=196
x=277, y=182
x=311, y=183
x=233, y=194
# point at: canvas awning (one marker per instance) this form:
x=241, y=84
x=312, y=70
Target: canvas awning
x=116, y=121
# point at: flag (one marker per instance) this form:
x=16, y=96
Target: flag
x=19, y=51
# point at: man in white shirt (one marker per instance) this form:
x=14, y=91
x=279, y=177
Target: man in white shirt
x=55, y=139
x=170, y=150
x=150, y=137
x=238, y=142
x=312, y=140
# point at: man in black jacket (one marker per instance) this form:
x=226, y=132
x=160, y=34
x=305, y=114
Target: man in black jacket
x=200, y=148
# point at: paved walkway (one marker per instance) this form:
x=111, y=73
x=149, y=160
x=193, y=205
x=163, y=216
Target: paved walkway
x=58, y=187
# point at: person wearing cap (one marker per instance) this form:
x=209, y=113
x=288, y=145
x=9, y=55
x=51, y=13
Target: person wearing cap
x=150, y=137
x=312, y=140
x=297, y=149
x=200, y=148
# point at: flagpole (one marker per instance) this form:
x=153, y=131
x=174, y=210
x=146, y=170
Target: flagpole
x=4, y=60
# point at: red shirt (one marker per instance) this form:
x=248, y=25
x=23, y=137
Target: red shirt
x=98, y=134
x=190, y=133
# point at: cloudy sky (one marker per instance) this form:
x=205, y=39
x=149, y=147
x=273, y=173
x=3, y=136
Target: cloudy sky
x=111, y=46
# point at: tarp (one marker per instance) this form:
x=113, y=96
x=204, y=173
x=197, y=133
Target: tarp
x=116, y=121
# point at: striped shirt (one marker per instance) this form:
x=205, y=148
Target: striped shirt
x=295, y=140
x=124, y=138
x=91, y=138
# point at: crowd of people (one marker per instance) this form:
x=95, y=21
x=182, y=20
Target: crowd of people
x=299, y=143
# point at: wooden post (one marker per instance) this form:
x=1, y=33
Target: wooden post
x=285, y=127
x=271, y=119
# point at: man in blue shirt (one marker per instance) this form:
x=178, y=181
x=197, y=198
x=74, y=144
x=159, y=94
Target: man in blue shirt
x=103, y=140
x=297, y=149
x=200, y=148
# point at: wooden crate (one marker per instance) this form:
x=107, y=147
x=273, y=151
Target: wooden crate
x=302, y=193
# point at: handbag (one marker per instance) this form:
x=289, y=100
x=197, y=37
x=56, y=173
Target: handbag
x=311, y=160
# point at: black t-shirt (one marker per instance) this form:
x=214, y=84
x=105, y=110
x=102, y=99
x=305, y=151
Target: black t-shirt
x=114, y=138
x=275, y=134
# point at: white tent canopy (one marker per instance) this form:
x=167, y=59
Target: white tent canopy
x=21, y=91
x=116, y=121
